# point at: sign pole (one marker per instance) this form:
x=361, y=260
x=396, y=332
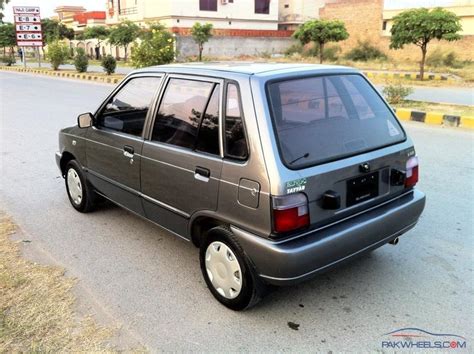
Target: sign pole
x=24, y=56
x=39, y=57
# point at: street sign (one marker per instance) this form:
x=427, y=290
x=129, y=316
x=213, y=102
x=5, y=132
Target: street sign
x=26, y=10
x=29, y=36
x=27, y=18
x=28, y=26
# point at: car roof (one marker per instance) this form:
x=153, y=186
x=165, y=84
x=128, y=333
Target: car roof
x=244, y=68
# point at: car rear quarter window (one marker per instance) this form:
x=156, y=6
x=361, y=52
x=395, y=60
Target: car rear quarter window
x=126, y=111
x=235, y=137
x=189, y=108
x=324, y=118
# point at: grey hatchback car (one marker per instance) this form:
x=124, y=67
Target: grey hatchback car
x=275, y=171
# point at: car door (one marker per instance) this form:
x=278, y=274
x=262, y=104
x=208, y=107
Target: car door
x=115, y=141
x=182, y=160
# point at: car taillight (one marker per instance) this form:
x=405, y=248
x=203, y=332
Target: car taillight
x=411, y=178
x=290, y=212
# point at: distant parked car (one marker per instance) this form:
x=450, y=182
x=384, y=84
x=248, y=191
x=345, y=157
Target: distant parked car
x=275, y=171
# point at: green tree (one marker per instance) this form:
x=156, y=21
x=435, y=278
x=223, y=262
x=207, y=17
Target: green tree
x=2, y=6
x=7, y=37
x=53, y=30
x=57, y=54
x=421, y=26
x=321, y=32
x=123, y=34
x=201, y=34
x=156, y=48
x=100, y=33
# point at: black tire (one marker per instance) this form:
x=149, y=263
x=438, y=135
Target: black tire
x=88, y=199
x=252, y=289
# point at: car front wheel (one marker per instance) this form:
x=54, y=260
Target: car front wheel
x=78, y=190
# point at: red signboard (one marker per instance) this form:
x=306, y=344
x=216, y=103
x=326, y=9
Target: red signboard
x=28, y=26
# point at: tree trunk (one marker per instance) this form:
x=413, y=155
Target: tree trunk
x=125, y=49
x=201, y=47
x=321, y=54
x=422, y=62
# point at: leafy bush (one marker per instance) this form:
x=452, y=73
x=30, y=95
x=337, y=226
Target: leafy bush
x=311, y=50
x=109, y=64
x=81, y=62
x=156, y=48
x=364, y=51
x=296, y=48
x=8, y=60
x=439, y=58
x=396, y=93
x=57, y=54
x=331, y=53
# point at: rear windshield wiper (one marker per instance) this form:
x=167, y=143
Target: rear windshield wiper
x=305, y=156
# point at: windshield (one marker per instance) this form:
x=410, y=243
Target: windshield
x=319, y=119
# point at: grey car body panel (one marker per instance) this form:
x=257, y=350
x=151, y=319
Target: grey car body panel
x=284, y=263
x=160, y=184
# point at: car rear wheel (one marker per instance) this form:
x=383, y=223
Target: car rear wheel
x=227, y=271
x=80, y=194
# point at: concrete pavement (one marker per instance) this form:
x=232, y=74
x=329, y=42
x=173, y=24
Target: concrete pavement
x=150, y=282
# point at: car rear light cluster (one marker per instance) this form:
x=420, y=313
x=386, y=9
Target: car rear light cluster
x=411, y=177
x=290, y=212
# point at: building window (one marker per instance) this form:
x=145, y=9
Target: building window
x=262, y=6
x=208, y=5
x=384, y=25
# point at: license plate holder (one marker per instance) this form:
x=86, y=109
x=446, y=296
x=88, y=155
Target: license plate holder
x=362, y=188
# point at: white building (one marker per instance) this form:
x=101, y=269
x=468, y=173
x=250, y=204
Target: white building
x=223, y=14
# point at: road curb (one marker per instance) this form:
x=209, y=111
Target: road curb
x=402, y=75
x=435, y=118
x=65, y=74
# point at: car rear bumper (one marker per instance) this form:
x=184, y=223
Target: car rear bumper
x=294, y=260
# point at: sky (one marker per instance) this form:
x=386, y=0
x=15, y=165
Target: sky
x=47, y=6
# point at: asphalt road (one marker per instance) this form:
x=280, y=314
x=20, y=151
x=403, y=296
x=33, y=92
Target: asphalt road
x=449, y=94
x=149, y=282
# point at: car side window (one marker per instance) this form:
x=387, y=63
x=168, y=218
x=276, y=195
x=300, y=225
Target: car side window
x=126, y=111
x=181, y=109
x=208, y=133
x=235, y=137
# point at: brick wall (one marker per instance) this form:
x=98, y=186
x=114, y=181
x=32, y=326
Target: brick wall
x=363, y=20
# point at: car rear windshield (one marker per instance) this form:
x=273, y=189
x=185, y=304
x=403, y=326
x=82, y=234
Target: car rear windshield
x=324, y=118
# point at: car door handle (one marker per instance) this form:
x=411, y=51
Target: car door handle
x=128, y=151
x=202, y=174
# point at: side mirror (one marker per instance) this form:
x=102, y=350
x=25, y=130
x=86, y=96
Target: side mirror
x=85, y=120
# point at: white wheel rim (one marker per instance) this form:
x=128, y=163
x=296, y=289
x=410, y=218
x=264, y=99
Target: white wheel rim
x=74, y=186
x=223, y=270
